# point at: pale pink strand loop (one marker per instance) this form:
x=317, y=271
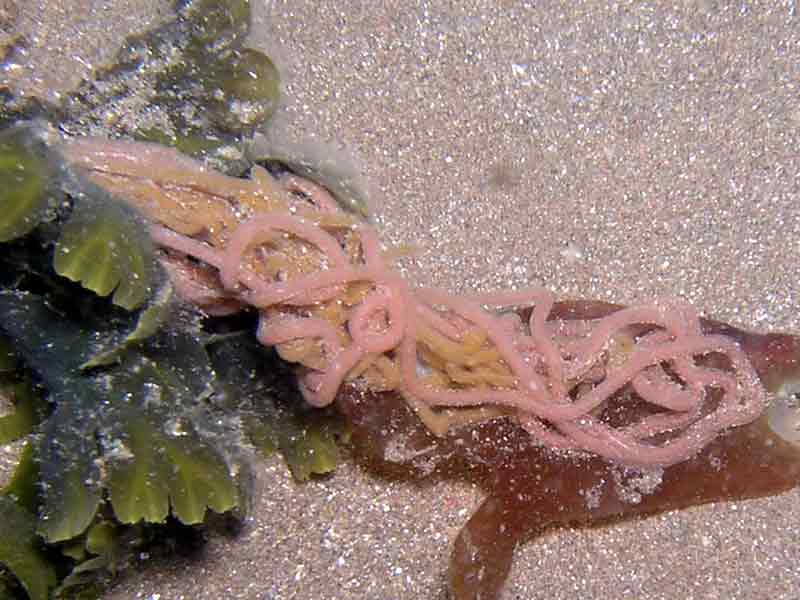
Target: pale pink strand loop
x=623, y=444
x=308, y=289
x=319, y=388
x=251, y=230
x=541, y=338
x=653, y=385
x=587, y=353
x=316, y=287
x=564, y=412
x=464, y=398
x=360, y=324
x=277, y=330
x=186, y=245
x=639, y=360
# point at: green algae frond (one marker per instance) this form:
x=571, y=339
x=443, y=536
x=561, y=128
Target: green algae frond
x=217, y=24
x=25, y=173
x=27, y=407
x=144, y=412
x=273, y=415
x=105, y=247
x=245, y=89
x=138, y=412
x=156, y=471
x=191, y=82
x=21, y=550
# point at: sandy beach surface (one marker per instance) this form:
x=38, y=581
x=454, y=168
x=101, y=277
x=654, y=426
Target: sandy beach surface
x=613, y=150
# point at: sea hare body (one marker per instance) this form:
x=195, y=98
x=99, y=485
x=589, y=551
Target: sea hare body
x=565, y=412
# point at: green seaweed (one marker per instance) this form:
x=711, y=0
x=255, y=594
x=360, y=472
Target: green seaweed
x=274, y=416
x=161, y=459
x=104, y=246
x=70, y=476
x=189, y=84
x=98, y=555
x=142, y=431
x=27, y=406
x=139, y=476
x=21, y=550
x=140, y=411
x=8, y=360
x=194, y=143
x=135, y=405
x=138, y=402
x=137, y=431
x=22, y=488
x=244, y=89
x=310, y=446
x=68, y=457
x=216, y=24
x=201, y=480
x=313, y=449
x=148, y=322
x=27, y=413
x=25, y=173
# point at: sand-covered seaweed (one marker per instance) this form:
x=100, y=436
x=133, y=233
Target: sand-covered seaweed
x=25, y=175
x=137, y=413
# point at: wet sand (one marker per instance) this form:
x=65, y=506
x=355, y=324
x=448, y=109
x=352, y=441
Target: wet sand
x=621, y=153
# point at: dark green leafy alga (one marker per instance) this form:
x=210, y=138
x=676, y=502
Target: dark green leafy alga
x=154, y=470
x=25, y=175
x=157, y=447
x=21, y=550
x=245, y=89
x=68, y=454
x=105, y=247
x=25, y=406
x=273, y=414
x=190, y=84
x=139, y=412
x=165, y=457
x=216, y=24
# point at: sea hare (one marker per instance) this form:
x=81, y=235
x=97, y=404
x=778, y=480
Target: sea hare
x=565, y=412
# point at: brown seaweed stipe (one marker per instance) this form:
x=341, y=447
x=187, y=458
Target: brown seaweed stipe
x=530, y=488
x=576, y=411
